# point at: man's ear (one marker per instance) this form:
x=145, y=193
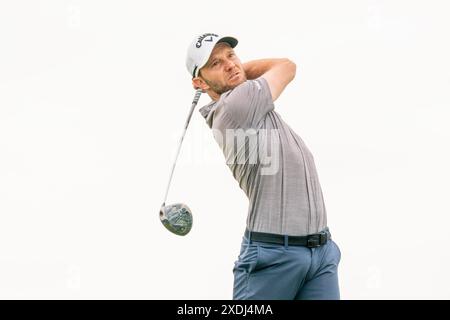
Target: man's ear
x=199, y=83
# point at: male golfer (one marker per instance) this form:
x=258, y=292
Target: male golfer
x=287, y=251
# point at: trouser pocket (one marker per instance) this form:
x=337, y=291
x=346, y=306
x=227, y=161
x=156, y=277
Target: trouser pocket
x=243, y=267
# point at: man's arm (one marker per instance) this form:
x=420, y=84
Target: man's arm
x=277, y=72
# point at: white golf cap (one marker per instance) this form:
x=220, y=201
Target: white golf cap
x=200, y=49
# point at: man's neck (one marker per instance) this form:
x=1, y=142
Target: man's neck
x=213, y=95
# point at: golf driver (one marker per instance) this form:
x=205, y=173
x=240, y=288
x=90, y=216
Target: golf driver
x=177, y=218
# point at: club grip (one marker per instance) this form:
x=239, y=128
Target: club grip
x=197, y=96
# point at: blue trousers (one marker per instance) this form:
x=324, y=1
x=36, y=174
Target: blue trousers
x=286, y=272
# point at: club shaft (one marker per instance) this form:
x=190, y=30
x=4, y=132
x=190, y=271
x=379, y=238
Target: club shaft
x=194, y=103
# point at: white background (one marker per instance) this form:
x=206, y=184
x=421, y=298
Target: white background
x=93, y=98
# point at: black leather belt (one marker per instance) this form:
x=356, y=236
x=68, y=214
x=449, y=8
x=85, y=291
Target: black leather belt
x=310, y=241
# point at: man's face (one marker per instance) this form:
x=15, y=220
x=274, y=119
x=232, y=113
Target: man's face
x=224, y=70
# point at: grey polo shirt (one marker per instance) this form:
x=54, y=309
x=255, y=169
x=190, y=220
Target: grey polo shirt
x=271, y=163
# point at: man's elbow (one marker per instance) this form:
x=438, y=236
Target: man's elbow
x=291, y=67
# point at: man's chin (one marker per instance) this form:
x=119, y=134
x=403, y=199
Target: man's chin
x=234, y=85
x=231, y=85
x=237, y=81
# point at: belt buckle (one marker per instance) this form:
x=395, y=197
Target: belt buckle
x=323, y=238
x=313, y=241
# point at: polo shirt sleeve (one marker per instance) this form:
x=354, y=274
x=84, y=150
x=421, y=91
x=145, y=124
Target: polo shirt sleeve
x=249, y=103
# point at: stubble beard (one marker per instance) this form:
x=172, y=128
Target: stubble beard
x=218, y=88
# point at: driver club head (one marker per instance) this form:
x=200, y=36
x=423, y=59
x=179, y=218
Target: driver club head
x=177, y=218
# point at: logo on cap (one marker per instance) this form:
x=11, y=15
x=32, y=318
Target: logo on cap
x=200, y=39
